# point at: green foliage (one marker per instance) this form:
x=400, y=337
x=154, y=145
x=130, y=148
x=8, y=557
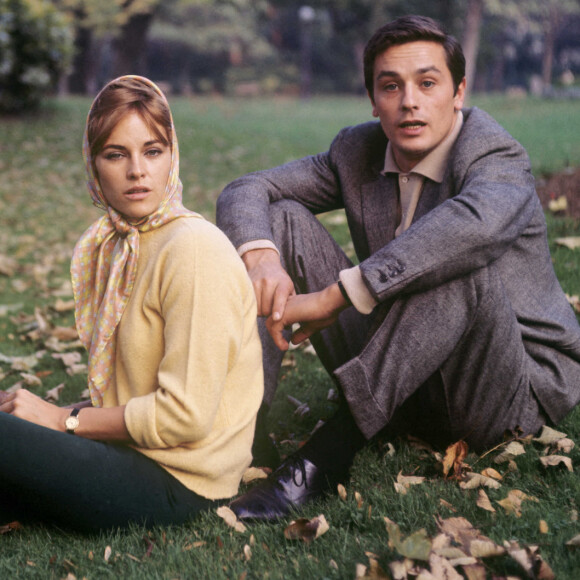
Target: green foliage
x=35, y=50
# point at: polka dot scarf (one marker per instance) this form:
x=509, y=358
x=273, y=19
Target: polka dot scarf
x=104, y=266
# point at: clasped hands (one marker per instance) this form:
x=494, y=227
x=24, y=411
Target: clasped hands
x=278, y=301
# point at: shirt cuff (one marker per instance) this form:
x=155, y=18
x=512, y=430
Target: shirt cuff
x=357, y=291
x=257, y=245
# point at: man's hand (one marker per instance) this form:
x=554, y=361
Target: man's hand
x=313, y=311
x=24, y=405
x=271, y=282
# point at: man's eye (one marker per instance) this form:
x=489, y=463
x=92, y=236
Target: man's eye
x=428, y=84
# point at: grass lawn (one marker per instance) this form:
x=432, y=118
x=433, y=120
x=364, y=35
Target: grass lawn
x=44, y=207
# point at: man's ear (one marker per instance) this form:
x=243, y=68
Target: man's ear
x=375, y=112
x=459, y=97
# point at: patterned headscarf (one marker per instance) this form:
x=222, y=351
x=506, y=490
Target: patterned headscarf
x=104, y=263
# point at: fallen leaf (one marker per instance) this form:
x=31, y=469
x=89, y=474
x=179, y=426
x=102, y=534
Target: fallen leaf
x=554, y=460
x=65, y=333
x=31, y=380
x=570, y=242
x=53, y=395
x=513, y=502
x=543, y=527
x=11, y=527
x=253, y=474
x=548, y=436
x=358, y=498
x=447, y=505
x=469, y=539
x=69, y=359
x=247, y=553
x=558, y=204
x=62, y=306
x=529, y=559
x=483, y=501
x=454, y=456
x=574, y=542
x=474, y=480
x=405, y=481
x=230, y=518
x=565, y=445
x=416, y=546
x=475, y=572
x=442, y=568
x=400, y=568
x=491, y=472
x=8, y=266
x=108, y=553
x=307, y=530
x=341, y=492
x=513, y=449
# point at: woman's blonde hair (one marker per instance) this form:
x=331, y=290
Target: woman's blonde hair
x=117, y=99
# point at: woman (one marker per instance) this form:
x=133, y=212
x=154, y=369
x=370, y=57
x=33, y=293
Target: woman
x=165, y=308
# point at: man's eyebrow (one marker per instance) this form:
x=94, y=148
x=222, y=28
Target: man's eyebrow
x=420, y=71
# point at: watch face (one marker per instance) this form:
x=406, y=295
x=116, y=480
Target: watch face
x=71, y=423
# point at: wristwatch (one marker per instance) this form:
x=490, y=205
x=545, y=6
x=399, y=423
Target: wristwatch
x=72, y=421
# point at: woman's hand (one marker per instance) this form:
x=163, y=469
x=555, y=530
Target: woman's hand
x=25, y=405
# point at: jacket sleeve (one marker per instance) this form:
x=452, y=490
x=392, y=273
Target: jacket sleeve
x=494, y=203
x=243, y=207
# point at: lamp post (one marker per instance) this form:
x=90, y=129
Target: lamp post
x=306, y=15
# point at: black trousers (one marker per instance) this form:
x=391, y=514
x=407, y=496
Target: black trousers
x=83, y=485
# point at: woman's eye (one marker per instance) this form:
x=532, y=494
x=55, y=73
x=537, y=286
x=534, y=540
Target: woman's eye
x=154, y=152
x=113, y=155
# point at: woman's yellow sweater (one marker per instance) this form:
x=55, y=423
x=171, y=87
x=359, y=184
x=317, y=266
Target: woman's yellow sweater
x=188, y=360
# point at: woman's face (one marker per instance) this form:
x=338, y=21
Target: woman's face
x=133, y=168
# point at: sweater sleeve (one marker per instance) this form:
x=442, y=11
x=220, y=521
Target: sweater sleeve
x=206, y=303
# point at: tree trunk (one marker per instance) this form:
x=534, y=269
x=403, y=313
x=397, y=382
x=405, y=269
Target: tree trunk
x=470, y=42
x=130, y=47
x=550, y=30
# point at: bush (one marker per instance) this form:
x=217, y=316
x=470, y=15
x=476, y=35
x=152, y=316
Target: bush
x=36, y=45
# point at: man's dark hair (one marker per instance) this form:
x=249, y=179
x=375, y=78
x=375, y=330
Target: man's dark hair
x=413, y=28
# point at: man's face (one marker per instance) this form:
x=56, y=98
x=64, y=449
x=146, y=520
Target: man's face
x=414, y=99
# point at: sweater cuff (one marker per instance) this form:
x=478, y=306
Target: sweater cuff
x=257, y=245
x=140, y=421
x=357, y=291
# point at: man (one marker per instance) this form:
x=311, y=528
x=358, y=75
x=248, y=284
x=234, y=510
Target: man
x=453, y=325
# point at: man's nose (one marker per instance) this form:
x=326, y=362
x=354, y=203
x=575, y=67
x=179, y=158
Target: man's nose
x=409, y=98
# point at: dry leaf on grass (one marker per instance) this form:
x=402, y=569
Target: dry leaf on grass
x=454, y=456
x=404, y=482
x=469, y=539
x=11, y=527
x=491, y=472
x=53, y=395
x=543, y=527
x=574, y=542
x=8, y=266
x=513, y=502
x=341, y=492
x=555, y=460
x=416, y=546
x=474, y=480
x=570, y=242
x=513, y=449
x=548, y=436
x=483, y=501
x=307, y=530
x=230, y=519
x=565, y=445
x=253, y=474
x=529, y=559
x=400, y=568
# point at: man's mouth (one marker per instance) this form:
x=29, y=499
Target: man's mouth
x=412, y=124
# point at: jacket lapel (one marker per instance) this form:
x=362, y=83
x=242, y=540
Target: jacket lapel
x=380, y=208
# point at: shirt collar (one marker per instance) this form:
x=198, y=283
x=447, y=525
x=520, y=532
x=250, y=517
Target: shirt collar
x=435, y=163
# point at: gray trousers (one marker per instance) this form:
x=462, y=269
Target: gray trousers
x=445, y=364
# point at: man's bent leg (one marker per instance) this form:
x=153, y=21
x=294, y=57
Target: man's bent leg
x=459, y=343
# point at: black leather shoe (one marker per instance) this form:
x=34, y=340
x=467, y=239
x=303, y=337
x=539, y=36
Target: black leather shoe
x=296, y=482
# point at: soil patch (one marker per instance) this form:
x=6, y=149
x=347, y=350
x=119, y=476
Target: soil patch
x=567, y=184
